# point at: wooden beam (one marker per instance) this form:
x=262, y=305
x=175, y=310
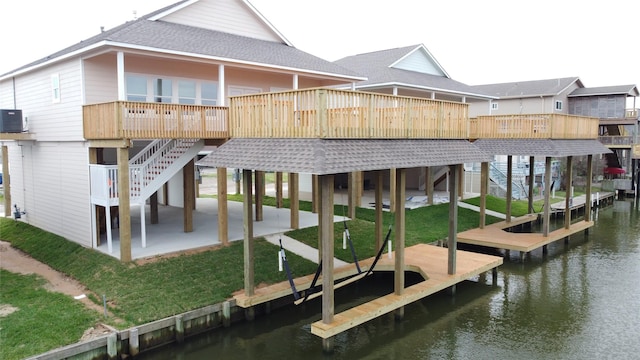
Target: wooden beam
x=314, y=194
x=279, y=195
x=509, y=187
x=124, y=204
x=392, y=190
x=188, y=178
x=223, y=211
x=484, y=186
x=400, y=176
x=352, y=194
x=532, y=181
x=461, y=181
x=116, y=143
x=359, y=188
x=294, y=203
x=326, y=223
x=568, y=195
x=378, y=204
x=428, y=184
x=587, y=198
x=247, y=217
x=259, y=185
x=453, y=218
x=546, y=217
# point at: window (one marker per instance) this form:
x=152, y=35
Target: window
x=558, y=106
x=55, y=88
x=209, y=93
x=186, y=92
x=162, y=90
x=494, y=106
x=136, y=88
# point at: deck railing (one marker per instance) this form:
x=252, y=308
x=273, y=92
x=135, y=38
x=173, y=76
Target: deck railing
x=138, y=120
x=613, y=140
x=534, y=126
x=631, y=113
x=329, y=113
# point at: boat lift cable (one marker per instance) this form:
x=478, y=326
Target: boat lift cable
x=296, y=295
x=353, y=251
x=380, y=251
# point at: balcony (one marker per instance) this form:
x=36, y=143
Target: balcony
x=631, y=113
x=137, y=120
x=617, y=141
x=534, y=126
x=331, y=114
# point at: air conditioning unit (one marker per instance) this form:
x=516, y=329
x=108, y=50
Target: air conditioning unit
x=10, y=121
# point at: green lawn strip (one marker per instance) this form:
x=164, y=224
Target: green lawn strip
x=143, y=293
x=518, y=207
x=423, y=225
x=43, y=320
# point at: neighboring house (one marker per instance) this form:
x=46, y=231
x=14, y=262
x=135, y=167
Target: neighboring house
x=77, y=108
x=412, y=71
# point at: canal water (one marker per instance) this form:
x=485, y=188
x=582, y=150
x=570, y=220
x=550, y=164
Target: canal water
x=581, y=300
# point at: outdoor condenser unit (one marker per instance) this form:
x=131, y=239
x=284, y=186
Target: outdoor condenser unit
x=10, y=121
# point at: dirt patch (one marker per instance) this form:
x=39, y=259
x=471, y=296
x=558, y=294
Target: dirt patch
x=6, y=309
x=97, y=331
x=16, y=261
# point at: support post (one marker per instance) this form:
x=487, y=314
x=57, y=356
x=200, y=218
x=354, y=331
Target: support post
x=568, y=196
x=484, y=185
x=509, y=187
x=453, y=219
x=153, y=207
x=461, y=181
x=314, y=193
x=428, y=184
x=392, y=190
x=294, y=203
x=378, y=204
x=326, y=224
x=352, y=194
x=249, y=286
x=95, y=217
x=532, y=179
x=587, y=199
x=547, y=197
x=189, y=181
x=223, y=211
x=124, y=204
x=279, y=195
x=259, y=186
x=400, y=176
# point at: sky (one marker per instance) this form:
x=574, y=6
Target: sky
x=476, y=42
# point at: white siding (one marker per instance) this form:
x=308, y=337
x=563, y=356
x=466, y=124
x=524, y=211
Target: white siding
x=230, y=16
x=50, y=121
x=419, y=62
x=101, y=79
x=6, y=94
x=53, y=182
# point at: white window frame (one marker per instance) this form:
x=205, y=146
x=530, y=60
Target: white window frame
x=558, y=105
x=55, y=88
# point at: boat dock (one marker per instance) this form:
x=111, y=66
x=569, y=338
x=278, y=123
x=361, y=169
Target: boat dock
x=428, y=260
x=578, y=202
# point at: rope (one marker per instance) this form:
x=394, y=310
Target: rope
x=296, y=296
x=380, y=251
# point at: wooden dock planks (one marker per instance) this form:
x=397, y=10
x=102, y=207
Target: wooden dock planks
x=495, y=237
x=431, y=260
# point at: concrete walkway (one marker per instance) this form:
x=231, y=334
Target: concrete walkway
x=476, y=208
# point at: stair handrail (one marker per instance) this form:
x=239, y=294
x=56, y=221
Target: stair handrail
x=149, y=151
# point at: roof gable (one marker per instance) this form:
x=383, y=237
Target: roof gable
x=419, y=59
x=236, y=17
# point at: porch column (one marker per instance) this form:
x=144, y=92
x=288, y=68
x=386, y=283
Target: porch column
x=95, y=213
x=326, y=231
x=247, y=218
x=484, y=185
x=392, y=190
x=532, y=181
x=122, y=93
x=314, y=193
x=547, y=197
x=221, y=86
x=294, y=203
x=188, y=179
x=587, y=198
x=352, y=194
x=569, y=195
x=453, y=219
x=124, y=204
x=509, y=187
x=461, y=181
x=223, y=211
x=398, y=284
x=259, y=185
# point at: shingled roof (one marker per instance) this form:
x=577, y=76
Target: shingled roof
x=166, y=37
x=377, y=67
x=629, y=90
x=334, y=156
x=541, y=147
x=523, y=89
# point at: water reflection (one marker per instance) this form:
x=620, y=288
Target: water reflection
x=581, y=300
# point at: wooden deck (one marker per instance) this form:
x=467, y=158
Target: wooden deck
x=579, y=201
x=494, y=236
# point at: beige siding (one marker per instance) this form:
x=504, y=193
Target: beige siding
x=56, y=189
x=230, y=16
x=51, y=121
x=100, y=74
